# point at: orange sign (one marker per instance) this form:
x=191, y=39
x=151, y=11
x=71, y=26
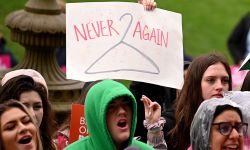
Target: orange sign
x=78, y=126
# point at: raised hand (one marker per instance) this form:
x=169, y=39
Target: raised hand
x=152, y=110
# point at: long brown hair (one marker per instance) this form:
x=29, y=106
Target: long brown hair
x=13, y=89
x=15, y=104
x=190, y=98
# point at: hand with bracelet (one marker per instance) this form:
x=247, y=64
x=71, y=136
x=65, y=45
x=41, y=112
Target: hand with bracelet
x=154, y=123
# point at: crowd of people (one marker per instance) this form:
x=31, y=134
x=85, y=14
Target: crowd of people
x=206, y=114
x=196, y=120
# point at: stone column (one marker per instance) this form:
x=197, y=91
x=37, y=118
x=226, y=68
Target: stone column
x=41, y=27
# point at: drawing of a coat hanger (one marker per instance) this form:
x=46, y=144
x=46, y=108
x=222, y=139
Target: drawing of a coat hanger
x=154, y=68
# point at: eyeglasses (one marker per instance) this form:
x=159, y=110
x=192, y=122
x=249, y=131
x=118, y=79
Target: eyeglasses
x=225, y=128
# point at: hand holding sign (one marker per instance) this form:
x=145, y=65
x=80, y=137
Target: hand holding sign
x=148, y=4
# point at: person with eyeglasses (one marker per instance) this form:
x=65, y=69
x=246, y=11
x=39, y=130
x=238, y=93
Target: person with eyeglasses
x=242, y=99
x=218, y=124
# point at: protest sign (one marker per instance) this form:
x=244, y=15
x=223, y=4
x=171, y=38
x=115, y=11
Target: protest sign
x=120, y=40
x=78, y=126
x=246, y=63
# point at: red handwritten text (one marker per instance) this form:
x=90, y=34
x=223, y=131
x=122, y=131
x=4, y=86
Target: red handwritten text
x=155, y=35
x=94, y=30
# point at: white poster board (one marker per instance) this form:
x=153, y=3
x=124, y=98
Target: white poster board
x=120, y=40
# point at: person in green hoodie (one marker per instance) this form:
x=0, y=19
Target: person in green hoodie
x=111, y=114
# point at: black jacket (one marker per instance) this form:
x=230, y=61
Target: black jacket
x=163, y=95
x=237, y=39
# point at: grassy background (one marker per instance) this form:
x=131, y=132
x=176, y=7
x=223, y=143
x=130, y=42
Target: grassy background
x=206, y=24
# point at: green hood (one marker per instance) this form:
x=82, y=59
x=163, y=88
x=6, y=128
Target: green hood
x=96, y=105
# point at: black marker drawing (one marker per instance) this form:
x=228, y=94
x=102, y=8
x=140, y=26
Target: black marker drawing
x=154, y=68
